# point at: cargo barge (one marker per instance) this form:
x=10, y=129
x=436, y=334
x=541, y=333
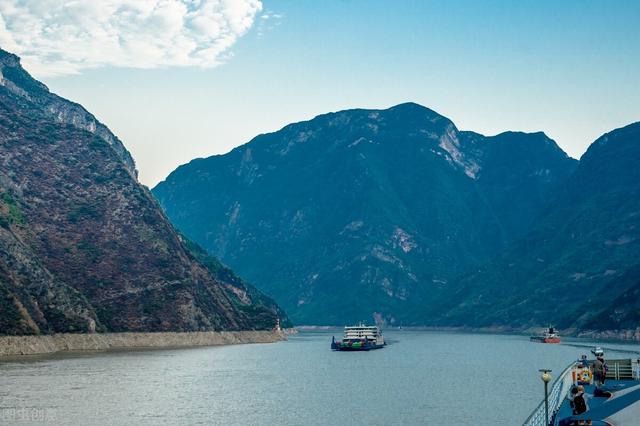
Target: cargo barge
x=550, y=336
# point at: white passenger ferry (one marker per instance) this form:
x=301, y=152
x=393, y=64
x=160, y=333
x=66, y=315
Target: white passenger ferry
x=359, y=337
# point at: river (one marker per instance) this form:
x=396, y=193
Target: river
x=432, y=378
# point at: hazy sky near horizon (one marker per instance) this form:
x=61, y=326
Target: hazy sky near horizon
x=568, y=68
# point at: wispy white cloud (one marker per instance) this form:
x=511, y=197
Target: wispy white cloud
x=268, y=21
x=56, y=37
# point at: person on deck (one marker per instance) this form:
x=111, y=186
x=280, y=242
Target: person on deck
x=584, y=362
x=598, y=371
x=572, y=395
x=578, y=401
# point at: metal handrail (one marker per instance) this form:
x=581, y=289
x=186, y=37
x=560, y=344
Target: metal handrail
x=559, y=391
x=620, y=369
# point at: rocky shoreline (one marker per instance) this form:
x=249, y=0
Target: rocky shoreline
x=49, y=344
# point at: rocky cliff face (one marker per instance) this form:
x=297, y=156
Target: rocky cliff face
x=58, y=110
x=83, y=246
x=364, y=212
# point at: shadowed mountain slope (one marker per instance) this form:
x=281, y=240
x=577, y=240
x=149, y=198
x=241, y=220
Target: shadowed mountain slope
x=579, y=262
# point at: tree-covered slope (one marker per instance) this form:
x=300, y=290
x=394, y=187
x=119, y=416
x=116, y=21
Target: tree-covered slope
x=580, y=258
x=83, y=246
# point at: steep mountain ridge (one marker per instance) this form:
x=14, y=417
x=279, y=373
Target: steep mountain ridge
x=83, y=246
x=578, y=258
x=18, y=81
x=363, y=212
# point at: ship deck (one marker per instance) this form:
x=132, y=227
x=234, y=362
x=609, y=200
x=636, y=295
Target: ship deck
x=622, y=408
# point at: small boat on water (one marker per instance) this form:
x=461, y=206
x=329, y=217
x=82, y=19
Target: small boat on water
x=549, y=336
x=359, y=337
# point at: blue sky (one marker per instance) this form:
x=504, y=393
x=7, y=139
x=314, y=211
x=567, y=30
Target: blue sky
x=569, y=68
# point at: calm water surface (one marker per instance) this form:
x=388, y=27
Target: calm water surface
x=420, y=378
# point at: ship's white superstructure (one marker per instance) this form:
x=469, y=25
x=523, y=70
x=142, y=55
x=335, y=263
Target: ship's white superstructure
x=364, y=332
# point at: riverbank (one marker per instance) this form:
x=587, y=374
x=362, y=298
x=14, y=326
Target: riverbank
x=613, y=335
x=627, y=335
x=39, y=345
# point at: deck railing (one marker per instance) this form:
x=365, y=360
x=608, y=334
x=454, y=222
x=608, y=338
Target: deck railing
x=619, y=369
x=559, y=390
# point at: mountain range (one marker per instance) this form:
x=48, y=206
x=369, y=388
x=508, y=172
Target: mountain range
x=397, y=215
x=394, y=215
x=84, y=247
